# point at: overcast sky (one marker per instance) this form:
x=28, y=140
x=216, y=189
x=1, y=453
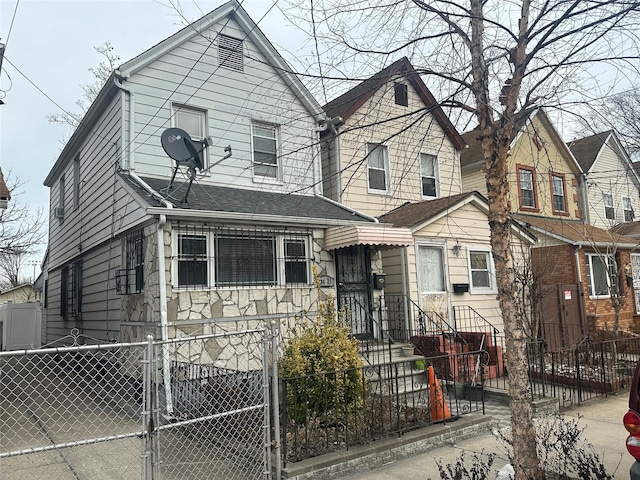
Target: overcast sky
x=50, y=45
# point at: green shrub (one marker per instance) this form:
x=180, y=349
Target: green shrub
x=322, y=359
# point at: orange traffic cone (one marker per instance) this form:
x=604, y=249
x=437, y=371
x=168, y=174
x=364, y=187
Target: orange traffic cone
x=439, y=408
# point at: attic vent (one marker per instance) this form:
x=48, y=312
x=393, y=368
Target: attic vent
x=230, y=53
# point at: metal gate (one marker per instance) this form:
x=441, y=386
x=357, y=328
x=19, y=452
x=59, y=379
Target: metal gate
x=353, y=267
x=147, y=410
x=563, y=315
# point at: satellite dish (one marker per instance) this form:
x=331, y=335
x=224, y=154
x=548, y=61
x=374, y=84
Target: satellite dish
x=178, y=145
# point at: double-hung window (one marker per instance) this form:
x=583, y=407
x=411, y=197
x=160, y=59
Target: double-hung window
x=429, y=175
x=600, y=273
x=264, y=138
x=526, y=184
x=378, y=167
x=559, y=197
x=240, y=258
x=194, y=122
x=609, y=209
x=481, y=271
x=627, y=206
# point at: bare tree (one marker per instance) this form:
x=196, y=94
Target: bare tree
x=89, y=90
x=497, y=61
x=22, y=231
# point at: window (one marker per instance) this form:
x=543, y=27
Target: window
x=241, y=258
x=401, y=93
x=71, y=290
x=599, y=275
x=76, y=181
x=131, y=279
x=429, y=175
x=559, y=197
x=296, y=265
x=430, y=269
x=609, y=210
x=526, y=185
x=265, y=150
x=481, y=271
x=194, y=122
x=230, y=53
x=378, y=167
x=628, y=209
x=192, y=260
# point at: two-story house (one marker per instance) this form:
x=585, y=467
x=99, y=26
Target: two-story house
x=610, y=185
x=393, y=153
x=141, y=241
x=574, y=266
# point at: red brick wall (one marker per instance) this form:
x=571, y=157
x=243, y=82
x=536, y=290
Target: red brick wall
x=557, y=264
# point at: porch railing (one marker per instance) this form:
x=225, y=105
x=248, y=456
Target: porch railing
x=376, y=342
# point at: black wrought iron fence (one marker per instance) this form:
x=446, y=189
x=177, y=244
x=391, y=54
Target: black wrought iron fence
x=589, y=369
x=336, y=410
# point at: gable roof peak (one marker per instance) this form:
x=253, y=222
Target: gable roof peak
x=348, y=103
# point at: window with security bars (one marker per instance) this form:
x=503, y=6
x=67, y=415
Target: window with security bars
x=71, y=290
x=217, y=257
x=131, y=279
x=230, y=53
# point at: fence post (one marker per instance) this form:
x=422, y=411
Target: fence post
x=147, y=409
x=274, y=324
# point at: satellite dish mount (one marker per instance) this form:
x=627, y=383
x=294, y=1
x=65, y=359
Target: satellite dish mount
x=178, y=145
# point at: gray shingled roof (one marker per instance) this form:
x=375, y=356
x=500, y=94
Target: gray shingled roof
x=586, y=149
x=216, y=198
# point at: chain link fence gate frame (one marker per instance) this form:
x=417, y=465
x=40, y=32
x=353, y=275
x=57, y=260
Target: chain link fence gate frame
x=100, y=412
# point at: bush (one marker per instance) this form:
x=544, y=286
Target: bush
x=322, y=361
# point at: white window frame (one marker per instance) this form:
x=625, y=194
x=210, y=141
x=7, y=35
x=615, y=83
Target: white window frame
x=607, y=201
x=201, y=114
x=210, y=236
x=589, y=266
x=435, y=177
x=562, y=194
x=370, y=147
x=628, y=213
x=531, y=180
x=491, y=270
x=443, y=256
x=276, y=132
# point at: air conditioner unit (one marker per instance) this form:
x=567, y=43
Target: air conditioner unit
x=59, y=212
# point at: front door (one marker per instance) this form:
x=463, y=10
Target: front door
x=353, y=268
x=431, y=286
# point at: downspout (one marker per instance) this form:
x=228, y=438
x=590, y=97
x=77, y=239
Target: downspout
x=576, y=254
x=118, y=79
x=583, y=199
x=162, y=220
x=316, y=154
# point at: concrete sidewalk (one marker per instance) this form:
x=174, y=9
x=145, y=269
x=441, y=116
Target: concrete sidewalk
x=601, y=419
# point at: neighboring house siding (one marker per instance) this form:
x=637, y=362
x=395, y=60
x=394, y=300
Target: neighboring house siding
x=474, y=179
x=546, y=156
x=404, y=141
x=21, y=294
x=609, y=175
x=189, y=75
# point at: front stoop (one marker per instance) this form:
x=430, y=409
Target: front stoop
x=364, y=458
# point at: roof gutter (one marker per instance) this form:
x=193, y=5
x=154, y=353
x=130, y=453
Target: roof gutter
x=260, y=217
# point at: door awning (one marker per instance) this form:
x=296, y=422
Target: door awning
x=379, y=235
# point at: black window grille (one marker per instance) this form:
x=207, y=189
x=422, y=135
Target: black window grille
x=237, y=257
x=71, y=290
x=131, y=279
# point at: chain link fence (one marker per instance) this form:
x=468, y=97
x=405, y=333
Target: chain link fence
x=194, y=407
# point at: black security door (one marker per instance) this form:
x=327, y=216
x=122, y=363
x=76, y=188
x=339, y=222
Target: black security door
x=354, y=288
